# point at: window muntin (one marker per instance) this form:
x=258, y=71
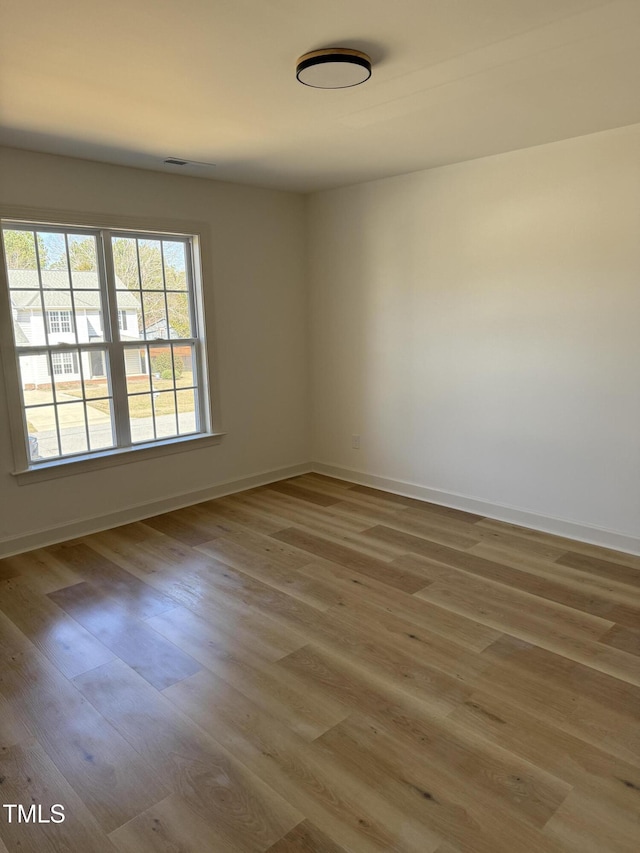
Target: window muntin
x=89, y=376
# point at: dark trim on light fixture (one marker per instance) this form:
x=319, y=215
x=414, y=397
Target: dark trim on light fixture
x=174, y=161
x=336, y=56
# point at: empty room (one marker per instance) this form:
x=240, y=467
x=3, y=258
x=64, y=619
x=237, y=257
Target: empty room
x=320, y=426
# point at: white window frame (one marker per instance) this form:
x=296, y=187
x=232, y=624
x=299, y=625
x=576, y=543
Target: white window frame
x=208, y=407
x=122, y=320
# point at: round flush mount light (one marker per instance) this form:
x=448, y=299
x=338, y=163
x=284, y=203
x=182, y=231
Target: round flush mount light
x=333, y=68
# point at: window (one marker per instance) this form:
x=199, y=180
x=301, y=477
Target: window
x=64, y=362
x=59, y=321
x=108, y=339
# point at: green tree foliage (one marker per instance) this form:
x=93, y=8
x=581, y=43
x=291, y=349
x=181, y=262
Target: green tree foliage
x=161, y=363
x=20, y=250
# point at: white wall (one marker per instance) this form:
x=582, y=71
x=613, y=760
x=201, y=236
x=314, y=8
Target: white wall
x=258, y=292
x=479, y=326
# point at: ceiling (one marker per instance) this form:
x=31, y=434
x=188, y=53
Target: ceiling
x=135, y=81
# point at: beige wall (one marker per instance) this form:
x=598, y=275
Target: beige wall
x=257, y=290
x=479, y=326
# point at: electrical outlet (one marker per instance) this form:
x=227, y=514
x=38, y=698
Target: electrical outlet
x=355, y=442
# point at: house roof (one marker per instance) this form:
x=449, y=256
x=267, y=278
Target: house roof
x=159, y=327
x=25, y=286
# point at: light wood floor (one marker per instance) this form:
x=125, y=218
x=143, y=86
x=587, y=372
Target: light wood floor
x=317, y=666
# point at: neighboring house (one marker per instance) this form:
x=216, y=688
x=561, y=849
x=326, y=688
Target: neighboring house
x=160, y=331
x=63, y=322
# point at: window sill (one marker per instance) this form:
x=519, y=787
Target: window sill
x=107, y=459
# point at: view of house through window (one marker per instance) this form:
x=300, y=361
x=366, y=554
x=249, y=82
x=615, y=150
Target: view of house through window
x=103, y=362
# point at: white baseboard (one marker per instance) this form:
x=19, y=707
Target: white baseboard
x=558, y=526
x=137, y=512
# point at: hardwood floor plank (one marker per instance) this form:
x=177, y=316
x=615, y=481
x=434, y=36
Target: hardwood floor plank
x=13, y=729
x=158, y=661
x=589, y=602
x=555, y=628
x=521, y=731
x=582, y=822
x=414, y=609
x=278, y=506
x=168, y=827
x=413, y=503
x=350, y=559
x=306, y=711
x=40, y=569
x=227, y=509
x=450, y=748
x=435, y=528
x=595, y=707
x=289, y=487
x=241, y=545
x=29, y=777
x=178, y=525
x=601, y=568
x=61, y=639
x=562, y=542
x=113, y=781
x=573, y=579
x=210, y=782
x=111, y=579
x=305, y=838
x=625, y=639
x=469, y=815
x=339, y=803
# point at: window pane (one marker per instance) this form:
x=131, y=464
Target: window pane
x=42, y=432
x=125, y=261
x=66, y=375
x=73, y=433
x=184, y=365
x=164, y=404
x=59, y=316
x=175, y=267
x=130, y=325
x=141, y=418
x=26, y=313
x=88, y=317
x=136, y=363
x=161, y=368
x=94, y=370
x=186, y=411
x=83, y=261
x=20, y=254
x=179, y=317
x=151, y=264
x=54, y=267
x=155, y=316
x=100, y=421
x=35, y=379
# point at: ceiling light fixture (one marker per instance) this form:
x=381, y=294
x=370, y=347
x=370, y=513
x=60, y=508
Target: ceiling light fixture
x=333, y=68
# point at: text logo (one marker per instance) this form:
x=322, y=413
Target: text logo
x=17, y=813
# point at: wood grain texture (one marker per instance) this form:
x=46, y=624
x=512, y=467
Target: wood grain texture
x=318, y=667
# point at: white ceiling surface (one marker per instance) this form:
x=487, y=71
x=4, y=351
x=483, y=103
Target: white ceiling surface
x=135, y=81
